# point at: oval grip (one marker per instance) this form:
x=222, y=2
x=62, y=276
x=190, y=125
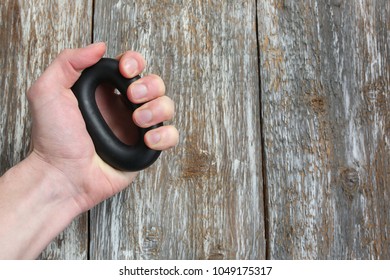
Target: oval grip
x=112, y=150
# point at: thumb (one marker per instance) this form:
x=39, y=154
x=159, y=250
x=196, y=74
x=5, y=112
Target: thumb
x=66, y=68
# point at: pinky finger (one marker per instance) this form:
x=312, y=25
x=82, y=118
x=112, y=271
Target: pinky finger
x=162, y=138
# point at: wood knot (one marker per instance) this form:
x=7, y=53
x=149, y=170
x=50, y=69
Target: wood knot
x=198, y=163
x=216, y=256
x=318, y=103
x=217, y=253
x=336, y=3
x=151, y=242
x=350, y=181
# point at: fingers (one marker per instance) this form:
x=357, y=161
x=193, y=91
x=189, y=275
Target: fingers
x=131, y=64
x=62, y=73
x=154, y=112
x=157, y=107
x=66, y=68
x=149, y=90
x=145, y=89
x=162, y=138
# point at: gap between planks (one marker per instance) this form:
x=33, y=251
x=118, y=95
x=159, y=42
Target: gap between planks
x=263, y=155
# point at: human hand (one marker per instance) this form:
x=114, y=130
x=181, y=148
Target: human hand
x=60, y=141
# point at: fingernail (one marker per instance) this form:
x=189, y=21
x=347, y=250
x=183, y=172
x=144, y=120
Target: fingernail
x=131, y=67
x=144, y=116
x=139, y=91
x=154, y=137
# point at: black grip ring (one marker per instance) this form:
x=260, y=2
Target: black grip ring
x=112, y=150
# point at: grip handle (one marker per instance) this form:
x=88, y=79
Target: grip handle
x=112, y=150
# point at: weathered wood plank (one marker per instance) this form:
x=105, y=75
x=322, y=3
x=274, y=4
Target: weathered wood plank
x=203, y=200
x=32, y=33
x=326, y=125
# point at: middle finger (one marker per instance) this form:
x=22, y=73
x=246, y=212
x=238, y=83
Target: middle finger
x=145, y=89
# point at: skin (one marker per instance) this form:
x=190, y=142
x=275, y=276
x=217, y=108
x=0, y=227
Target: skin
x=63, y=176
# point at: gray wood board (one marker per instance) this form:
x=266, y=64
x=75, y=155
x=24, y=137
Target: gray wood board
x=202, y=200
x=325, y=108
x=323, y=121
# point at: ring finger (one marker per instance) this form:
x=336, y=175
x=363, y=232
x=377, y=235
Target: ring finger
x=154, y=112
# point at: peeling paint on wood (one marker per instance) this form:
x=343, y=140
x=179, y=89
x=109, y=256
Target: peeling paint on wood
x=323, y=78
x=325, y=103
x=203, y=200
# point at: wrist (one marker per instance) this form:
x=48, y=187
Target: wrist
x=54, y=187
x=36, y=206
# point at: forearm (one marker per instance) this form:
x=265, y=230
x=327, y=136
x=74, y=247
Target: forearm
x=35, y=206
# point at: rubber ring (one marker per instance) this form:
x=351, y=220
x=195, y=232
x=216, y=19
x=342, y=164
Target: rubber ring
x=112, y=150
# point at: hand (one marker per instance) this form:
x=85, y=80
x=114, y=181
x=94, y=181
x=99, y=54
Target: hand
x=60, y=141
x=63, y=176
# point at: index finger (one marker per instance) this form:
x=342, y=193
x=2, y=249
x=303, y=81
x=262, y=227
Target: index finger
x=131, y=64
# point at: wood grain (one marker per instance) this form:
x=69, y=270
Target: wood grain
x=323, y=77
x=32, y=33
x=204, y=199
x=325, y=102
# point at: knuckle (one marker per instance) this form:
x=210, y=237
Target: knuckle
x=159, y=81
x=168, y=107
x=65, y=53
x=33, y=90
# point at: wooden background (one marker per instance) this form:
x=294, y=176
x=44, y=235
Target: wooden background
x=284, y=113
